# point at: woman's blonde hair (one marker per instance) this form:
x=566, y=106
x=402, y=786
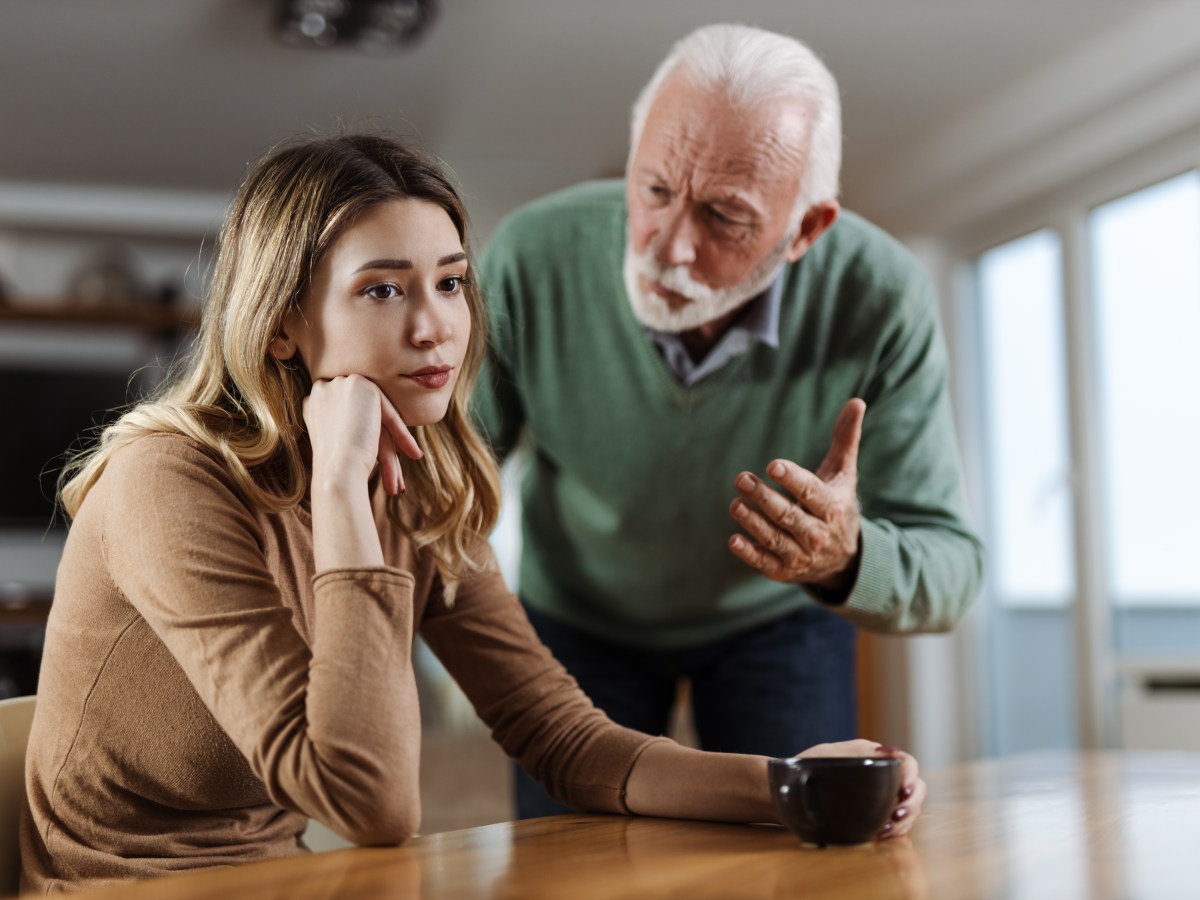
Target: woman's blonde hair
x=245, y=405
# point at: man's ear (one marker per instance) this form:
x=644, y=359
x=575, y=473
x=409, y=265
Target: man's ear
x=815, y=223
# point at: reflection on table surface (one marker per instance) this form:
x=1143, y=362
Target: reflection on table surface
x=1055, y=825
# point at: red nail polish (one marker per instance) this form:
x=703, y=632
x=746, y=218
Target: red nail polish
x=906, y=792
x=900, y=813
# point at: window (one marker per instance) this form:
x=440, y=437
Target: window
x=1135, y=373
x=1145, y=249
x=1025, y=414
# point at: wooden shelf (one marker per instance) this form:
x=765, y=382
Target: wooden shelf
x=65, y=313
x=34, y=613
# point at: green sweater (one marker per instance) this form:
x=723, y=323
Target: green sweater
x=626, y=498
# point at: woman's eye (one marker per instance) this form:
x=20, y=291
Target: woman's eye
x=383, y=291
x=452, y=285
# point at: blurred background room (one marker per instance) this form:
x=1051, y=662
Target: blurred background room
x=1042, y=159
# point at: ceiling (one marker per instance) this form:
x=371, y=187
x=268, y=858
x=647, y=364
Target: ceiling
x=518, y=96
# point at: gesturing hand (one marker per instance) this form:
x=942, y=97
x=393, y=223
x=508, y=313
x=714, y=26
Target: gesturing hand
x=352, y=426
x=811, y=536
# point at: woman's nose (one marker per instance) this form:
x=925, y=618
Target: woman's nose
x=429, y=327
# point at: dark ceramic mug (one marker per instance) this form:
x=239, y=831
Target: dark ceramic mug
x=835, y=800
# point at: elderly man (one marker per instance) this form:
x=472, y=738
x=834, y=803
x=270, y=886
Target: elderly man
x=735, y=398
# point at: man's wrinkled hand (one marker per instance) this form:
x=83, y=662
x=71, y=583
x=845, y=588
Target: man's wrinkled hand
x=809, y=533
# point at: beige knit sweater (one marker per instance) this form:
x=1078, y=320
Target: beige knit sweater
x=203, y=692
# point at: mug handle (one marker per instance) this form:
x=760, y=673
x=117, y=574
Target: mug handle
x=803, y=785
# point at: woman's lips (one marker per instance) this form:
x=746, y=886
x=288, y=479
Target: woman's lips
x=432, y=377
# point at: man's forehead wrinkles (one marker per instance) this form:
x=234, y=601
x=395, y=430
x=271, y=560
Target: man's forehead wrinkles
x=747, y=170
x=692, y=146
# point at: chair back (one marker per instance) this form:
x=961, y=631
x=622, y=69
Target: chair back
x=16, y=715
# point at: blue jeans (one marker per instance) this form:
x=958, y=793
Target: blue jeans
x=773, y=690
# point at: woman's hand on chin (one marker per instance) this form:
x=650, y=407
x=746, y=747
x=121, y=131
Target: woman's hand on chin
x=352, y=426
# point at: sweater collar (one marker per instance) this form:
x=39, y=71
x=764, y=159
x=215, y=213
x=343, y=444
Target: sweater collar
x=759, y=323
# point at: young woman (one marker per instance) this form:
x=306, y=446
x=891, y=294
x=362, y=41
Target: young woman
x=229, y=649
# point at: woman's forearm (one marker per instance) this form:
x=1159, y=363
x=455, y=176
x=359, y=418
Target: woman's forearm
x=344, y=529
x=344, y=426
x=682, y=783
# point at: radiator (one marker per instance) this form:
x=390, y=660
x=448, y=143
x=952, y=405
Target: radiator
x=1160, y=706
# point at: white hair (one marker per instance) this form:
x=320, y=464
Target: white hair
x=750, y=66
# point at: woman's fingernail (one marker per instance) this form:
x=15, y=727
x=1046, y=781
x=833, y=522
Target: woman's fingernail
x=746, y=483
x=885, y=748
x=885, y=829
x=906, y=792
x=900, y=813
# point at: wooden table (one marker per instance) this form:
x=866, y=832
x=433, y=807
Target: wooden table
x=1116, y=825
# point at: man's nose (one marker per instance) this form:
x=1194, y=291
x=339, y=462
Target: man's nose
x=677, y=240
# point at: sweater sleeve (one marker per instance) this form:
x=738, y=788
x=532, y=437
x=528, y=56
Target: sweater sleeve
x=534, y=708
x=320, y=726
x=921, y=563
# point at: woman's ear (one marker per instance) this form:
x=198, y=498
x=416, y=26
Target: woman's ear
x=282, y=347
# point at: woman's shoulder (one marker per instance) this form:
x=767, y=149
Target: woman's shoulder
x=163, y=449
x=152, y=465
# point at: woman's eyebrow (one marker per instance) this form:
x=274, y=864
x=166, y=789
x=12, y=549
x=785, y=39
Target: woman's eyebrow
x=385, y=264
x=407, y=263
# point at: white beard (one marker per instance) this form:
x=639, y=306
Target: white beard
x=706, y=303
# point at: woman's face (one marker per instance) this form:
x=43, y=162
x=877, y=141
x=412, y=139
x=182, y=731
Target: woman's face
x=386, y=302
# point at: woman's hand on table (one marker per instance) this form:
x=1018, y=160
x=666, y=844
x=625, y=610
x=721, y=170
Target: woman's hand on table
x=912, y=787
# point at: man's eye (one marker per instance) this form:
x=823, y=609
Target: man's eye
x=660, y=193
x=385, y=291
